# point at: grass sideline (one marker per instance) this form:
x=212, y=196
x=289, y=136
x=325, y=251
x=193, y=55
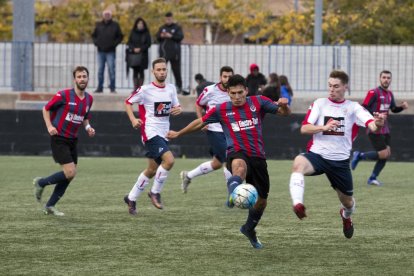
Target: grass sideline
x=195, y=234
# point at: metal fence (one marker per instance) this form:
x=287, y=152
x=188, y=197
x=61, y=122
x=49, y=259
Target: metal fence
x=307, y=67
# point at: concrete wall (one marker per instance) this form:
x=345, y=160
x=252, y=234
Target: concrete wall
x=24, y=133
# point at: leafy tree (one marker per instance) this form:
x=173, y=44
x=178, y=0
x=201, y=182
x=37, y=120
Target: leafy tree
x=6, y=22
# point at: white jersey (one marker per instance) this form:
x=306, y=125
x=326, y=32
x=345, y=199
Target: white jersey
x=154, y=105
x=336, y=145
x=212, y=95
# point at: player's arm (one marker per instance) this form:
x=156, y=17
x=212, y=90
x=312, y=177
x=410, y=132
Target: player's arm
x=136, y=123
x=309, y=128
x=46, y=117
x=195, y=125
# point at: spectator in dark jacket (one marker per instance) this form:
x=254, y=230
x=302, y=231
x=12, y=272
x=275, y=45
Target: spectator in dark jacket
x=106, y=36
x=170, y=36
x=138, y=44
x=201, y=83
x=255, y=80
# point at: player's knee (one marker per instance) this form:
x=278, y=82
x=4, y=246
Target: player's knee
x=298, y=164
x=260, y=204
x=70, y=173
x=384, y=154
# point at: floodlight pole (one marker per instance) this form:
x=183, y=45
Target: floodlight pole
x=317, y=31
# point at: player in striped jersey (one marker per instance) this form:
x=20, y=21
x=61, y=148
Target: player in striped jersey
x=64, y=114
x=156, y=102
x=210, y=97
x=241, y=119
x=380, y=99
x=332, y=123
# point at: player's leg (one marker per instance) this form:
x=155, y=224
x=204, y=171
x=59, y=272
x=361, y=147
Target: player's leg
x=340, y=177
x=217, y=142
x=381, y=144
x=161, y=175
x=237, y=164
x=176, y=68
x=302, y=165
x=258, y=177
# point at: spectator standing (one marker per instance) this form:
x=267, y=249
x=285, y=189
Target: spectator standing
x=256, y=81
x=106, y=36
x=201, y=83
x=170, y=36
x=272, y=89
x=285, y=88
x=139, y=42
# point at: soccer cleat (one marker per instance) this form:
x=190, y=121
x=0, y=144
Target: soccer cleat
x=348, y=225
x=374, y=182
x=300, y=210
x=51, y=210
x=38, y=190
x=251, y=235
x=229, y=202
x=185, y=181
x=156, y=200
x=132, y=205
x=355, y=159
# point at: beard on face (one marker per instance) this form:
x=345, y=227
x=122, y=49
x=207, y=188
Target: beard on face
x=225, y=85
x=161, y=78
x=81, y=86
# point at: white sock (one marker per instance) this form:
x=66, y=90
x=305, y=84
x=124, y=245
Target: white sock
x=203, y=168
x=139, y=187
x=297, y=187
x=159, y=180
x=227, y=173
x=348, y=212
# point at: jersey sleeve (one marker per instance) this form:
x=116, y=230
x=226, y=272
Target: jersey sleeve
x=268, y=106
x=202, y=100
x=88, y=112
x=174, y=98
x=312, y=115
x=212, y=116
x=370, y=98
x=57, y=100
x=136, y=97
x=363, y=117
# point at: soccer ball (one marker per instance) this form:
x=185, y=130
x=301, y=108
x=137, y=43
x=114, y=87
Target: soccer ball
x=244, y=196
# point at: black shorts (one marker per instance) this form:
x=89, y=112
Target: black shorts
x=257, y=174
x=338, y=172
x=64, y=150
x=379, y=141
x=156, y=147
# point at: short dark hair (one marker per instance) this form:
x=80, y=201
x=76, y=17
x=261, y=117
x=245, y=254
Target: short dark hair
x=199, y=77
x=80, y=69
x=337, y=74
x=158, y=60
x=237, y=80
x=226, y=69
x=169, y=14
x=385, y=72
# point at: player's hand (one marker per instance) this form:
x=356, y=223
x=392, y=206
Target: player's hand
x=137, y=50
x=52, y=130
x=172, y=134
x=91, y=132
x=205, y=128
x=404, y=105
x=176, y=110
x=331, y=125
x=136, y=123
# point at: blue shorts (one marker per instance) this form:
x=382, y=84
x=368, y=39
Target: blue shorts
x=338, y=172
x=218, y=145
x=156, y=147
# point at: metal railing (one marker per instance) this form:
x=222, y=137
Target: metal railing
x=307, y=67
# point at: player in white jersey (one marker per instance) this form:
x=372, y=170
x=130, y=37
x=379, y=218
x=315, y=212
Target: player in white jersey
x=211, y=96
x=332, y=122
x=156, y=102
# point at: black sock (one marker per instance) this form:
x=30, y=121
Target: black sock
x=58, y=192
x=369, y=155
x=253, y=219
x=379, y=165
x=52, y=179
x=233, y=182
